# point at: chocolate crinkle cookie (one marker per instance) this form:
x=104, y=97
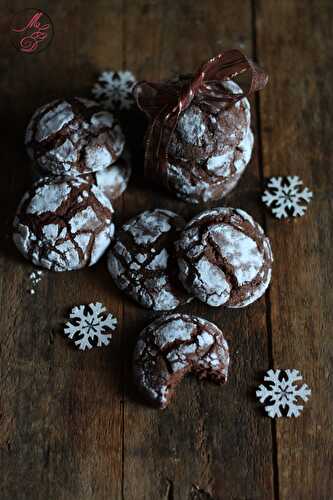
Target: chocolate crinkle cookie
x=173, y=346
x=224, y=258
x=142, y=263
x=72, y=137
x=63, y=224
x=114, y=179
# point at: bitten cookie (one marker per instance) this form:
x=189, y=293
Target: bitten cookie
x=141, y=260
x=72, y=137
x=172, y=346
x=63, y=224
x=224, y=258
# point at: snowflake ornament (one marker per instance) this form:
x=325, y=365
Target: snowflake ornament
x=285, y=197
x=114, y=89
x=281, y=392
x=90, y=326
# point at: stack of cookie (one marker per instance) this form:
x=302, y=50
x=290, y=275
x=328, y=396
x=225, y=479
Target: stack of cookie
x=76, y=137
x=208, y=149
x=64, y=221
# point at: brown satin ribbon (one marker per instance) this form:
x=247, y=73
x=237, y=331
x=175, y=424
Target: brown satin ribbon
x=163, y=102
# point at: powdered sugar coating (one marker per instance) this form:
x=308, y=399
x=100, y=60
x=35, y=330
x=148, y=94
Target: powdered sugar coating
x=224, y=258
x=191, y=126
x=141, y=260
x=47, y=198
x=63, y=224
x=149, y=226
x=73, y=137
x=174, y=345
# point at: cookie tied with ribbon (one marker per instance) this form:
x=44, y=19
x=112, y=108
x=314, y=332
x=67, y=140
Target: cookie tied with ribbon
x=199, y=139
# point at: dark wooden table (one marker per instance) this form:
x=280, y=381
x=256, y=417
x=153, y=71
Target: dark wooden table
x=71, y=425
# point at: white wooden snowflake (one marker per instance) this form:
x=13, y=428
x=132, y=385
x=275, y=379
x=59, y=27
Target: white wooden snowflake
x=281, y=392
x=90, y=326
x=285, y=197
x=114, y=89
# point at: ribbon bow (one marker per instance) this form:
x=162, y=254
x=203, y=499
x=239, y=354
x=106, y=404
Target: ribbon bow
x=163, y=102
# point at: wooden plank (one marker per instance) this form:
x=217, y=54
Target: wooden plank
x=296, y=111
x=61, y=414
x=211, y=442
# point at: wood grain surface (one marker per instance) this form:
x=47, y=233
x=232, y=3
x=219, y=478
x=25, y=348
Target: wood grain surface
x=71, y=424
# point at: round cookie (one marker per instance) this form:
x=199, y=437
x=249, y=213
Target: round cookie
x=224, y=258
x=72, y=137
x=208, y=135
x=141, y=260
x=198, y=183
x=172, y=346
x=209, y=149
x=63, y=224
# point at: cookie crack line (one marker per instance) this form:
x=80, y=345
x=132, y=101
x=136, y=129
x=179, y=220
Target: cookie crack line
x=227, y=268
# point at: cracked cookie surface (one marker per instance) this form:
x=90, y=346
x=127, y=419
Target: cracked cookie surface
x=209, y=149
x=63, y=224
x=172, y=346
x=142, y=263
x=73, y=137
x=224, y=258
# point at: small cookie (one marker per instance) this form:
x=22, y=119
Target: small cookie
x=224, y=258
x=113, y=180
x=72, y=137
x=172, y=346
x=141, y=260
x=63, y=224
x=195, y=183
x=207, y=135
